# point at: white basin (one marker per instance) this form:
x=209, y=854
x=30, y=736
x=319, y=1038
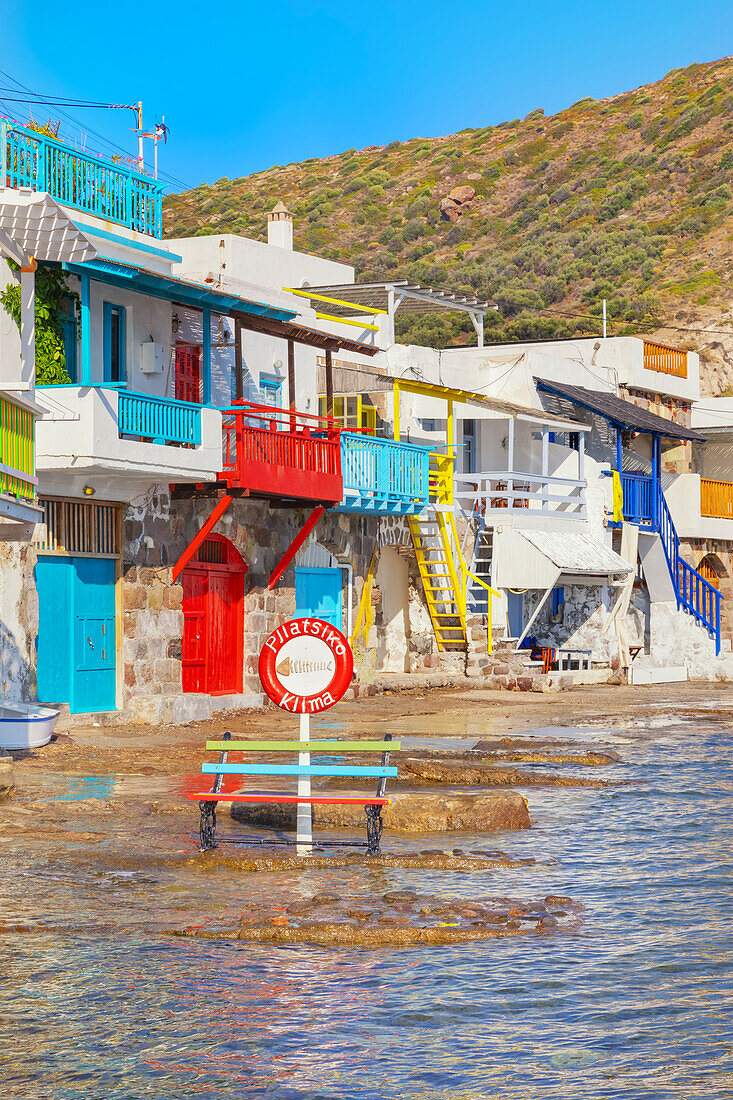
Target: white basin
x=25, y=725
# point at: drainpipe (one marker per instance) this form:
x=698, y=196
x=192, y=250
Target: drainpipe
x=349, y=597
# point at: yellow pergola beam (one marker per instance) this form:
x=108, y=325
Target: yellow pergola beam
x=355, y=306
x=347, y=321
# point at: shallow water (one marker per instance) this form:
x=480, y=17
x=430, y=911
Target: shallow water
x=103, y=1003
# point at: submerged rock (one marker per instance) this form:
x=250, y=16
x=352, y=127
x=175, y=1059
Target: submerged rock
x=389, y=922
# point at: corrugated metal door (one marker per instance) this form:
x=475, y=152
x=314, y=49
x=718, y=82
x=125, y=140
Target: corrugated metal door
x=318, y=595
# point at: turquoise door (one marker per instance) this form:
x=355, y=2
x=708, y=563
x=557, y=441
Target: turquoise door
x=76, y=633
x=318, y=595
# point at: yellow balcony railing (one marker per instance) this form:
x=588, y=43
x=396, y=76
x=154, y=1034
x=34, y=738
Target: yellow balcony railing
x=716, y=498
x=665, y=360
x=17, y=450
x=441, y=478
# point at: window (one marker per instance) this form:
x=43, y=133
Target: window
x=115, y=371
x=469, y=446
x=271, y=392
x=351, y=413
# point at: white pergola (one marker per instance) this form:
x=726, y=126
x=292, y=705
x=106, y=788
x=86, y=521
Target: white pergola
x=34, y=227
x=387, y=298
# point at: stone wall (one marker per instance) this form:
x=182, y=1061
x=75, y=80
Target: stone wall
x=720, y=553
x=18, y=622
x=156, y=532
x=677, y=455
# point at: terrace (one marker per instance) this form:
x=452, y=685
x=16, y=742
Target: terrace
x=383, y=476
x=93, y=185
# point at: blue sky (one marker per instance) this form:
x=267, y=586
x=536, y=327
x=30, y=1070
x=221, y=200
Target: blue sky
x=244, y=86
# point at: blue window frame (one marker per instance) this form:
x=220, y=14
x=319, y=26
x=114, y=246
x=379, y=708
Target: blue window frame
x=272, y=392
x=114, y=342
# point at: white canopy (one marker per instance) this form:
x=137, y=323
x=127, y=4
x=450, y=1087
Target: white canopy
x=33, y=225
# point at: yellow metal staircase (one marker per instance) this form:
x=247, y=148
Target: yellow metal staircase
x=440, y=580
x=443, y=570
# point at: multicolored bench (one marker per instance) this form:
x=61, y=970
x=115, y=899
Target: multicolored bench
x=372, y=805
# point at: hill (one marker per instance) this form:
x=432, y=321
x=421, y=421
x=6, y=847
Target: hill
x=627, y=198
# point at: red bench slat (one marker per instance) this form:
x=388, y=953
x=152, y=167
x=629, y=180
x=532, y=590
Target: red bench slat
x=206, y=796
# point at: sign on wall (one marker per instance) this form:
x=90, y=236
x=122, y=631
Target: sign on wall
x=306, y=665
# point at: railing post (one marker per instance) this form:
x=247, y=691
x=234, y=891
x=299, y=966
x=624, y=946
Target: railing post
x=3, y=153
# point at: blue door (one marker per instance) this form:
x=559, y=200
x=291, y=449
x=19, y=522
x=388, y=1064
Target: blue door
x=76, y=633
x=318, y=595
x=515, y=613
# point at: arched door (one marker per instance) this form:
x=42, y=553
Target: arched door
x=213, y=619
x=708, y=568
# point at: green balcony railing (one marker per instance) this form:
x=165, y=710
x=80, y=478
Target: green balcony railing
x=17, y=450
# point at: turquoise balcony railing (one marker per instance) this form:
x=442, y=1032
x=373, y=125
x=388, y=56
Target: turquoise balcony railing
x=159, y=420
x=92, y=184
x=384, y=476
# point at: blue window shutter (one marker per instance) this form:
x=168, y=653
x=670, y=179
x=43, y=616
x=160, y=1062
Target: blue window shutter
x=123, y=344
x=107, y=341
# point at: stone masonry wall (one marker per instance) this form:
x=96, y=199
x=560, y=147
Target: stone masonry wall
x=156, y=532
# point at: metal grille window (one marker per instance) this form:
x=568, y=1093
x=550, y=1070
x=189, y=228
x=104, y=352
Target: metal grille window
x=211, y=552
x=81, y=528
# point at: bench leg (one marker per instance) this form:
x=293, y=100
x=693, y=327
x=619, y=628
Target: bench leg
x=207, y=829
x=374, y=826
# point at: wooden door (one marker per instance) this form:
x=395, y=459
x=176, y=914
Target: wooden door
x=225, y=633
x=318, y=595
x=194, y=630
x=188, y=373
x=213, y=619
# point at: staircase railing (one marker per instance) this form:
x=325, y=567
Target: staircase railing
x=693, y=591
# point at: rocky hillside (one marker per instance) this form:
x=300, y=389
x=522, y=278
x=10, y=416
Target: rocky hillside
x=627, y=198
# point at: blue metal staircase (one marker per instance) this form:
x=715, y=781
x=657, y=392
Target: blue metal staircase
x=646, y=506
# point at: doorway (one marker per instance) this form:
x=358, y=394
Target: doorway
x=515, y=613
x=77, y=638
x=213, y=619
x=318, y=595
x=188, y=373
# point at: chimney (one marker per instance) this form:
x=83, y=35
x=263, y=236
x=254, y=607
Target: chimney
x=280, y=226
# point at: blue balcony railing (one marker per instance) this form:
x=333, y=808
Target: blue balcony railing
x=97, y=186
x=159, y=420
x=637, y=489
x=384, y=476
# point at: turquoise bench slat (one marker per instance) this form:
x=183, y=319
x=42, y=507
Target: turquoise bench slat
x=297, y=769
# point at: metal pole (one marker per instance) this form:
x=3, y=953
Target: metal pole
x=545, y=467
x=140, y=134
x=604, y=318
x=618, y=451
x=304, y=834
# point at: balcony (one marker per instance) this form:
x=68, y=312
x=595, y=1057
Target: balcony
x=665, y=360
x=87, y=183
x=102, y=430
x=498, y=494
x=277, y=453
x=716, y=499
x=637, y=490
x=17, y=450
x=383, y=476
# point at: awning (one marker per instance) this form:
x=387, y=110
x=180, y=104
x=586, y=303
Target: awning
x=622, y=414
x=173, y=289
x=529, y=558
x=33, y=225
x=504, y=408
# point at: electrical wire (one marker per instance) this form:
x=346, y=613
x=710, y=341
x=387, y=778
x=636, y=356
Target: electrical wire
x=166, y=176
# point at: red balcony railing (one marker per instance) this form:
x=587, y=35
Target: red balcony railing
x=280, y=453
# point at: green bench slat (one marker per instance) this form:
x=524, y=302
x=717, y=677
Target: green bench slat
x=325, y=745
x=297, y=769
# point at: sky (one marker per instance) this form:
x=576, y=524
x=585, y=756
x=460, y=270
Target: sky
x=244, y=86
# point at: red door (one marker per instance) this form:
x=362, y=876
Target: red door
x=213, y=619
x=194, y=630
x=188, y=373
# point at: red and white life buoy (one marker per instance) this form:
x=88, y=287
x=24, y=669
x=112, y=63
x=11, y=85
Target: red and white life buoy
x=306, y=665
